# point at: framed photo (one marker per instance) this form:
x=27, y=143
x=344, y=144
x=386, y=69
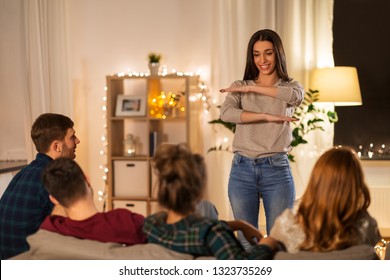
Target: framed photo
x=130, y=105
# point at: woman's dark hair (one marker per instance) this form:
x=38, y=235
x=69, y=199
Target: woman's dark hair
x=181, y=177
x=251, y=71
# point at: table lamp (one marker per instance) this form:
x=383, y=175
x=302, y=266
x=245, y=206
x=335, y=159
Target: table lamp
x=337, y=85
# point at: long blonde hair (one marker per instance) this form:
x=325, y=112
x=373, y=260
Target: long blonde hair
x=335, y=196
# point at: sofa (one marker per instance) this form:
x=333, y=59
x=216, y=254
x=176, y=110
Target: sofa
x=45, y=245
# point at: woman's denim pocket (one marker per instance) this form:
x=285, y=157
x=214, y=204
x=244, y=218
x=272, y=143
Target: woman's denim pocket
x=236, y=159
x=279, y=160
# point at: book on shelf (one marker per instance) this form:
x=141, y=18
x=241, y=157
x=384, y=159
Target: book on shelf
x=153, y=142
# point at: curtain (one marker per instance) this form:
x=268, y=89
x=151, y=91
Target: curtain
x=305, y=27
x=47, y=62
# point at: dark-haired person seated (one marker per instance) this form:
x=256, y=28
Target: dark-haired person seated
x=68, y=187
x=25, y=202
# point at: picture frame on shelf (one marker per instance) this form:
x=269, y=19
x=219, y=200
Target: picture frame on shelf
x=130, y=105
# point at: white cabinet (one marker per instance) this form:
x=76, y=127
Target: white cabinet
x=131, y=178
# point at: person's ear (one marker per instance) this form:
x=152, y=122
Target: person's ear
x=56, y=146
x=52, y=199
x=87, y=181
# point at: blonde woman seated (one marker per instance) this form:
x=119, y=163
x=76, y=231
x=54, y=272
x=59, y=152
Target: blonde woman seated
x=332, y=214
x=181, y=183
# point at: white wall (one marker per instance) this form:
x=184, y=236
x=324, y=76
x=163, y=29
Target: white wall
x=12, y=81
x=108, y=37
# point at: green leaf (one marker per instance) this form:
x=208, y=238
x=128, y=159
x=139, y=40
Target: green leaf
x=332, y=116
x=228, y=125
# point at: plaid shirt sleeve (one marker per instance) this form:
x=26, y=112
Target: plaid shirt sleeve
x=200, y=237
x=225, y=246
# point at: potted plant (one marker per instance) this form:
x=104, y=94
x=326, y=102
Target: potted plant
x=154, y=63
x=154, y=57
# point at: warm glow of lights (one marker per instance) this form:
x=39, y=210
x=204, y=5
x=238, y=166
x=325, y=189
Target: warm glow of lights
x=103, y=138
x=166, y=104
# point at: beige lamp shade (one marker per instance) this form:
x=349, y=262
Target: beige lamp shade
x=339, y=85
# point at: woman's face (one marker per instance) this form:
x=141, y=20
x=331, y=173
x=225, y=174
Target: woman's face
x=264, y=57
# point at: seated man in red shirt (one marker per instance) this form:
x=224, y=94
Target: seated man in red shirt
x=69, y=188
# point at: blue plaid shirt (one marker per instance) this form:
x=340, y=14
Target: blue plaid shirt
x=200, y=236
x=23, y=206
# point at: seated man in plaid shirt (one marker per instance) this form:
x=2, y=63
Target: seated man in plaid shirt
x=25, y=202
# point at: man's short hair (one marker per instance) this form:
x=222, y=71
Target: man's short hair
x=65, y=181
x=48, y=128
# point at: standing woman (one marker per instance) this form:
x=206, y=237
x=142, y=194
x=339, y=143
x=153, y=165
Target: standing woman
x=261, y=106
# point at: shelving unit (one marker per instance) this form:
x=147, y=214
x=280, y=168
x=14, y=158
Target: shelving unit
x=130, y=179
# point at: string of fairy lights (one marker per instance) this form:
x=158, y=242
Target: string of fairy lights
x=103, y=165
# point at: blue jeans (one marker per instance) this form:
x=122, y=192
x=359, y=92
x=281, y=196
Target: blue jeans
x=267, y=178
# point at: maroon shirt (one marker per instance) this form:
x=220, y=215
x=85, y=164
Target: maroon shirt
x=118, y=225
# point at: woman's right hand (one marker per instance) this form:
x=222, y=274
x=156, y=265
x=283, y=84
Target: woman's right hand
x=279, y=118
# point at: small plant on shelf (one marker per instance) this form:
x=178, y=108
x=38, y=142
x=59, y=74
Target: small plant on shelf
x=154, y=57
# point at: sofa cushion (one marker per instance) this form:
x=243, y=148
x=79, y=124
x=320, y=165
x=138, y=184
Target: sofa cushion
x=358, y=252
x=46, y=245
